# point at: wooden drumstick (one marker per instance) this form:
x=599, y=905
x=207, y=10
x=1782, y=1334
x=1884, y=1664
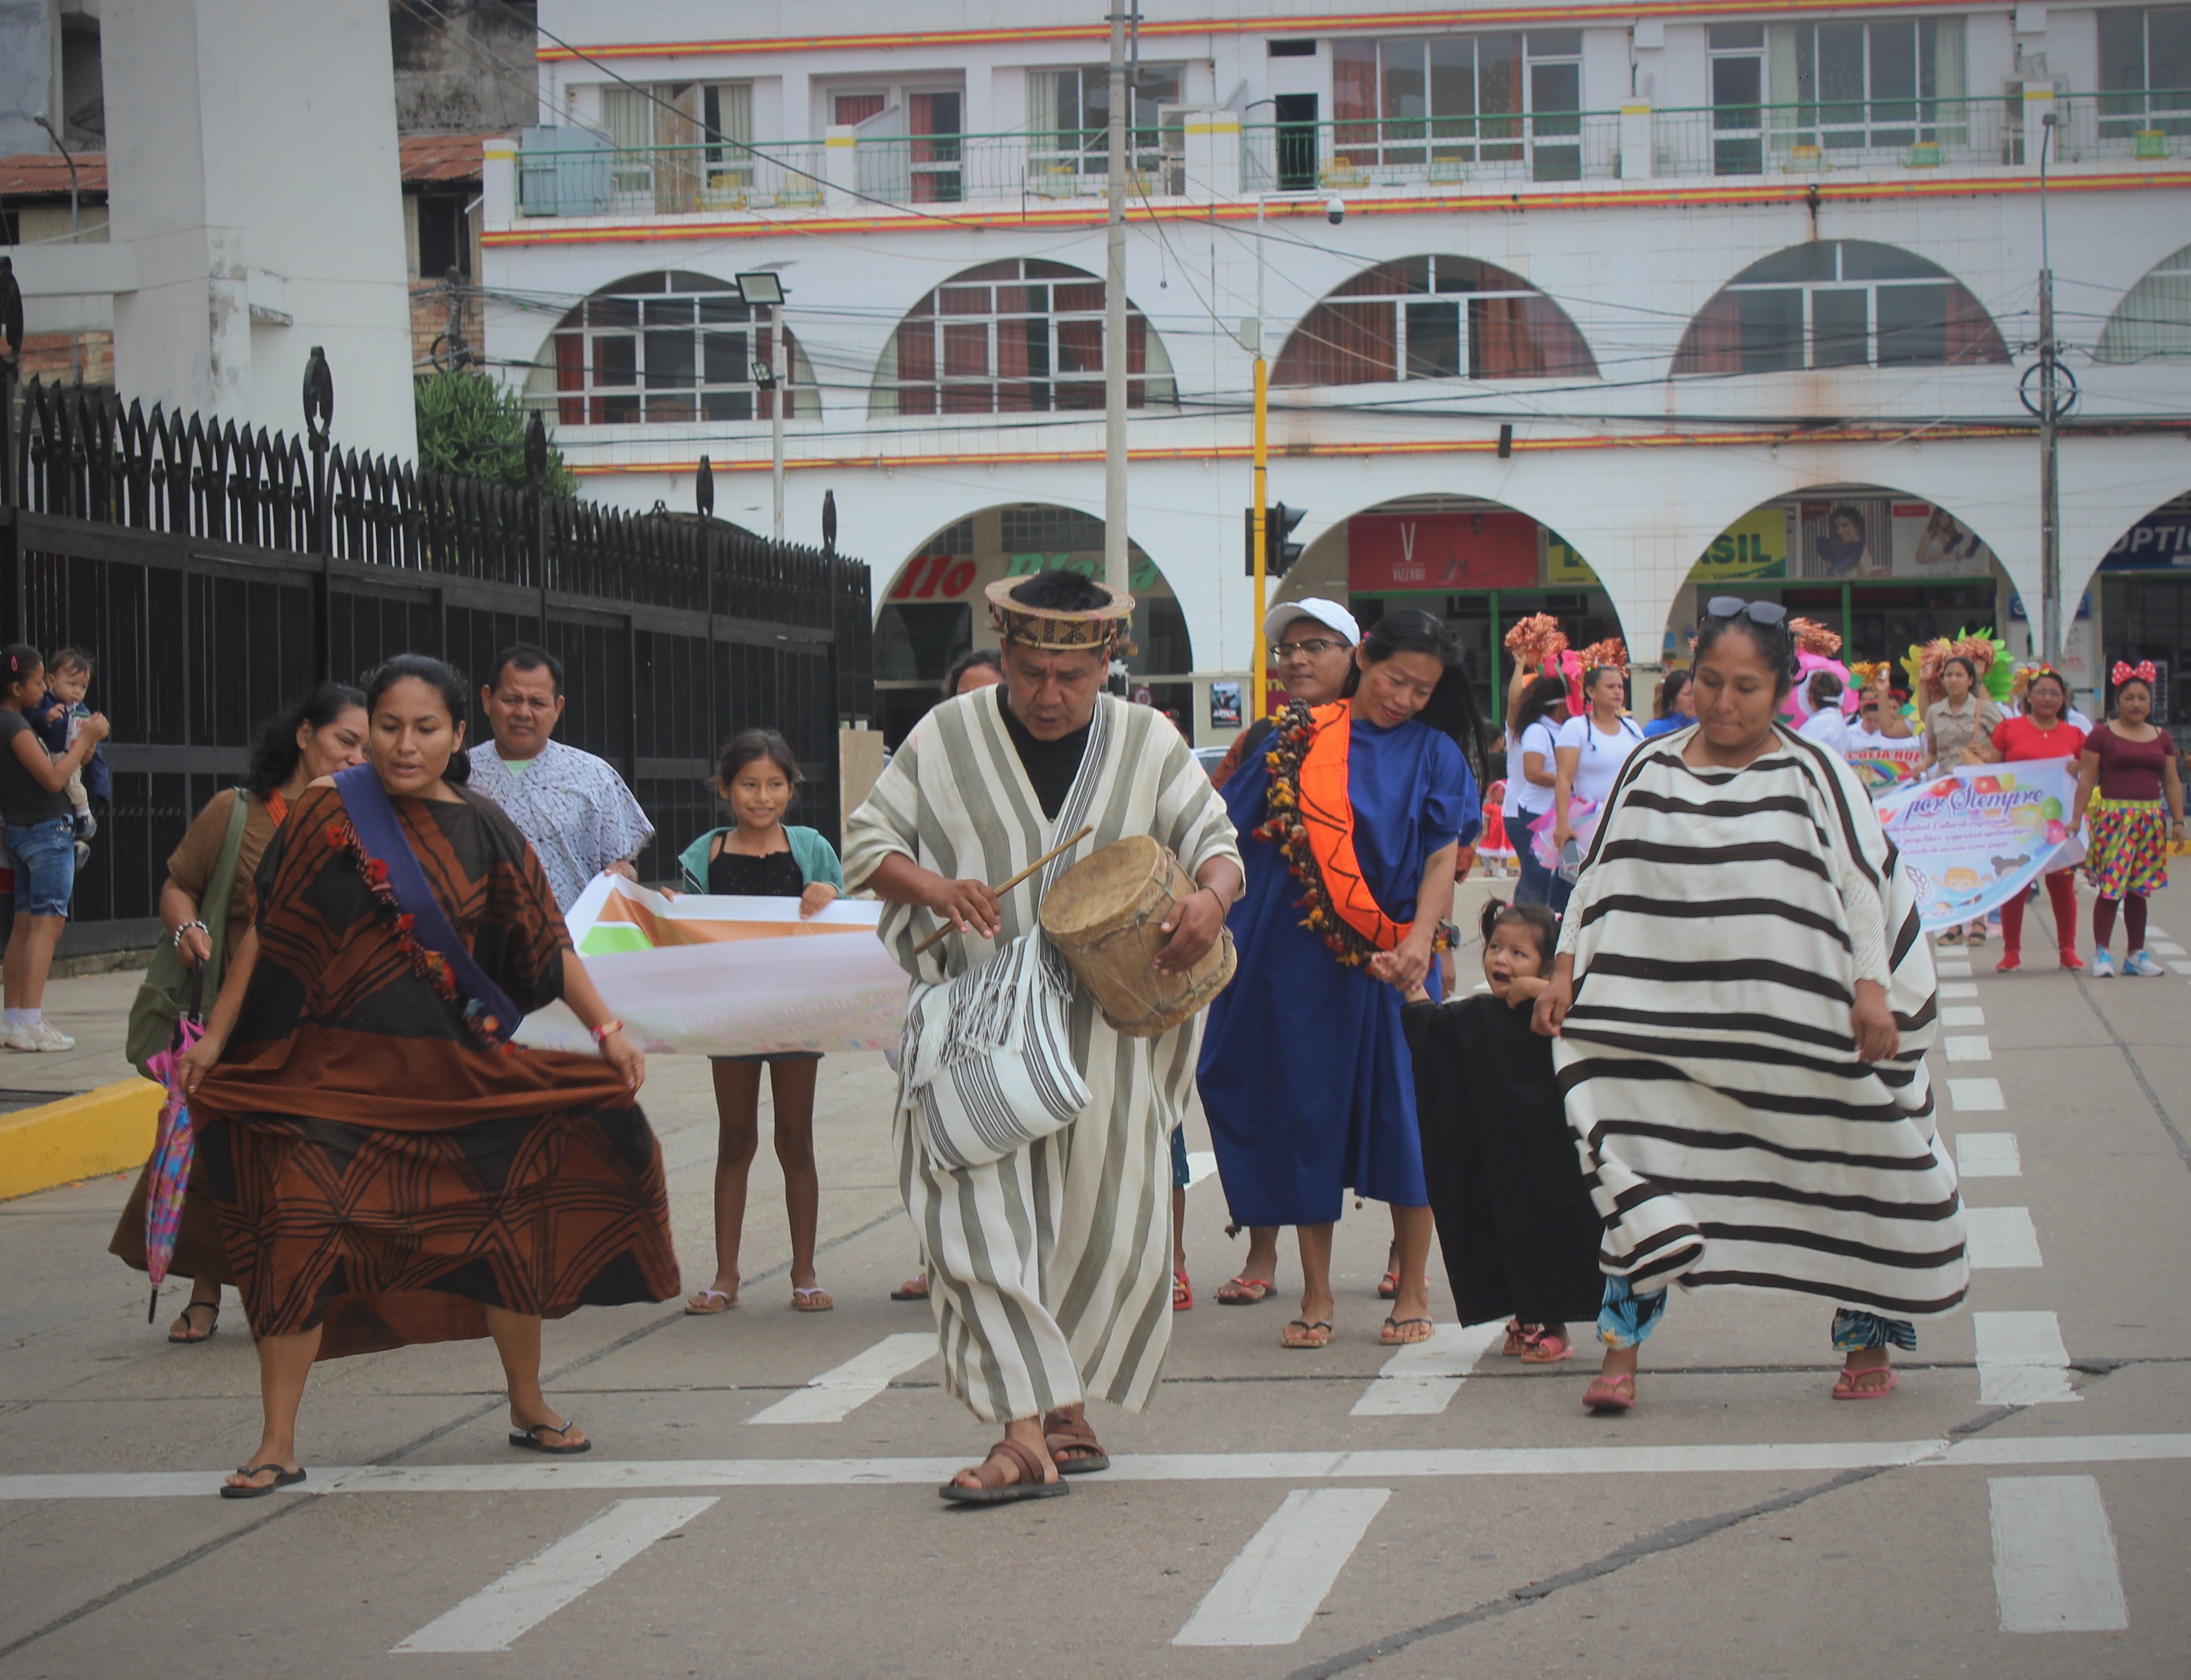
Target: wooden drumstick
x=1055, y=851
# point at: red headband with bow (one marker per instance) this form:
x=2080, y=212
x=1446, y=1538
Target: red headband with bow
x=2142, y=670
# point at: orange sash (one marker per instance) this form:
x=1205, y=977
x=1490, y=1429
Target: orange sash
x=1327, y=814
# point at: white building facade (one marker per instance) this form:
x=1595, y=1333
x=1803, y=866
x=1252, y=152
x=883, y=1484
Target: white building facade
x=1565, y=311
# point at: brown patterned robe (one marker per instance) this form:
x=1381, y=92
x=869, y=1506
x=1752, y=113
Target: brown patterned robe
x=379, y=1169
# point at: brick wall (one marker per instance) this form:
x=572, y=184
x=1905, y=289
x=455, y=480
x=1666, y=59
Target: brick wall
x=46, y=356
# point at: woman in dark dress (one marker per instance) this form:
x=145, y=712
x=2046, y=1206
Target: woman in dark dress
x=1512, y=1202
x=389, y=1168
x=760, y=856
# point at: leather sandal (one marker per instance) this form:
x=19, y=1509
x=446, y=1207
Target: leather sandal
x=1073, y=1448
x=1030, y=1484
x=190, y=1337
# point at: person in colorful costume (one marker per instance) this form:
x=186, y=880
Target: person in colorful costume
x=2128, y=766
x=1350, y=824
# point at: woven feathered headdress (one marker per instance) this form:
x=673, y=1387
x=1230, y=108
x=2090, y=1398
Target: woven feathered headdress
x=1536, y=640
x=1611, y=651
x=1813, y=637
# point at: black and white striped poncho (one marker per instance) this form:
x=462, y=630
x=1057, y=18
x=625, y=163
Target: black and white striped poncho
x=1711, y=1077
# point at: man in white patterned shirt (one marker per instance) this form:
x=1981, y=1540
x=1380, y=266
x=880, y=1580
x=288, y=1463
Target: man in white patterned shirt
x=574, y=808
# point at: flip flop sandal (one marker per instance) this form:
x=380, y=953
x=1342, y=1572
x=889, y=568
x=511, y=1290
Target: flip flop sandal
x=530, y=1439
x=728, y=1298
x=1061, y=1435
x=1845, y=1389
x=1315, y=1334
x=1547, y=1350
x=1264, y=1288
x=1604, y=1395
x=914, y=1290
x=1388, y=1287
x=212, y=1307
x=1029, y=1486
x=1394, y=1332
x=283, y=1479
x=1183, y=1293
x=815, y=1300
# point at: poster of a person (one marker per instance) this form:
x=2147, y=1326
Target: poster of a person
x=1845, y=539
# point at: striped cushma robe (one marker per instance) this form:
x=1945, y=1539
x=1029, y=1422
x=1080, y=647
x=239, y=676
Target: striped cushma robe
x=1711, y=1077
x=1051, y=1268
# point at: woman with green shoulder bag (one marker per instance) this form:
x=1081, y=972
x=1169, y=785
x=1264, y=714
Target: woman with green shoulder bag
x=209, y=878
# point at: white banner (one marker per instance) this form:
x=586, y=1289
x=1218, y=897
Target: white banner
x=1975, y=837
x=729, y=976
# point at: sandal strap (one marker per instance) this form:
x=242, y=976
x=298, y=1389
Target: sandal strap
x=1030, y=1466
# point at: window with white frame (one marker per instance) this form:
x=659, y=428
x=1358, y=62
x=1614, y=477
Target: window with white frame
x=2153, y=319
x=1069, y=116
x=2145, y=71
x=1432, y=317
x=678, y=145
x=663, y=347
x=1881, y=85
x=1839, y=303
x=1459, y=99
x=1017, y=337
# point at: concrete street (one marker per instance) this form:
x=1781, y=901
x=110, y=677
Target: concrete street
x=760, y=1500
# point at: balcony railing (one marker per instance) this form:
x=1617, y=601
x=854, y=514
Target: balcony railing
x=581, y=174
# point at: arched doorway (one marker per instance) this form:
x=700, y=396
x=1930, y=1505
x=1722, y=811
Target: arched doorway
x=2140, y=603
x=1879, y=568
x=1478, y=564
x=933, y=610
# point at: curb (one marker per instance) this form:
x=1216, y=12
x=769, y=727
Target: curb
x=106, y=1131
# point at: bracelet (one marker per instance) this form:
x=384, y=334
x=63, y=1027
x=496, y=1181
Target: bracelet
x=1224, y=907
x=185, y=928
x=602, y=1032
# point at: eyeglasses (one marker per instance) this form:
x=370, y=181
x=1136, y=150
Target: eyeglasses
x=1313, y=644
x=1733, y=607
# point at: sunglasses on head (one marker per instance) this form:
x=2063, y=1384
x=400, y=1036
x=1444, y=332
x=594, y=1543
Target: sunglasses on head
x=1757, y=611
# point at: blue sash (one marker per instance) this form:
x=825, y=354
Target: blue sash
x=381, y=833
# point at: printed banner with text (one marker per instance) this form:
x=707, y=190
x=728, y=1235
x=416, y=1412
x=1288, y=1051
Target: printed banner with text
x=729, y=976
x=1974, y=838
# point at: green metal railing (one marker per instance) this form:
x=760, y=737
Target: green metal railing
x=1545, y=145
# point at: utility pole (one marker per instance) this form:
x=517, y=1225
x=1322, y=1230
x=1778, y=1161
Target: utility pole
x=1258, y=678
x=2051, y=627
x=783, y=395
x=453, y=321
x=1114, y=318
x=76, y=339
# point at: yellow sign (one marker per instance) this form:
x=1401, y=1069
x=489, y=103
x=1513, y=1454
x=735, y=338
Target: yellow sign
x=1565, y=569
x=1754, y=546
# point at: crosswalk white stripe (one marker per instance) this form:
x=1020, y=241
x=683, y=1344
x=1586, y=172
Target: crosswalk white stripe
x=1267, y=1594
x=1200, y=1163
x=2022, y=1360
x=832, y=1396
x=1958, y=988
x=1987, y=1154
x=2167, y=948
x=2154, y=930
x=642, y=1475
x=1952, y=969
x=2001, y=1238
x=1421, y=1380
x=492, y=1618
x=2181, y=968
x=1969, y=1047
x=1972, y=1096
x=2054, y=1567
x=1962, y=1014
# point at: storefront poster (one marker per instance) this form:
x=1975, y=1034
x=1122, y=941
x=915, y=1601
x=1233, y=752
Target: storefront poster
x=1389, y=552
x=1975, y=838
x=1564, y=568
x=1929, y=542
x=1755, y=547
x=1846, y=537
x=1224, y=705
x=729, y=976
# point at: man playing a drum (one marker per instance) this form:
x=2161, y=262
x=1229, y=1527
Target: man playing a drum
x=1050, y=1265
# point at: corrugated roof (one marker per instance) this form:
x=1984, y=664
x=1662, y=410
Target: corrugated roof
x=433, y=159
x=40, y=174
x=428, y=160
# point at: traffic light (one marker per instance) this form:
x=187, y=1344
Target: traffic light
x=1278, y=555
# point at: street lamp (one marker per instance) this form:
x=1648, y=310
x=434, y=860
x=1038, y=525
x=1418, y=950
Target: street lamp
x=757, y=289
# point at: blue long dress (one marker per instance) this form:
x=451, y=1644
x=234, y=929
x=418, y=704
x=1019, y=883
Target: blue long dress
x=1306, y=1073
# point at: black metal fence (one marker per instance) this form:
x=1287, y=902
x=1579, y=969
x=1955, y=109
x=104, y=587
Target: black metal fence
x=217, y=571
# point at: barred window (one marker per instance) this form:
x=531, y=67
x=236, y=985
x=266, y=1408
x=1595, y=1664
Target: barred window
x=664, y=347
x=1020, y=337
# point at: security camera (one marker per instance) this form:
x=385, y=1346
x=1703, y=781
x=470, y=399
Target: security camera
x=1334, y=209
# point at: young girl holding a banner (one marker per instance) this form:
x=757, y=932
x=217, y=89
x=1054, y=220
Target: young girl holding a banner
x=760, y=857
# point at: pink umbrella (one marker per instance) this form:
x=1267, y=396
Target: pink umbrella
x=171, y=1162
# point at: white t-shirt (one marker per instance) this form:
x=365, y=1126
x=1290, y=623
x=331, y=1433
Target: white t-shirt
x=1602, y=755
x=1829, y=727
x=1540, y=737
